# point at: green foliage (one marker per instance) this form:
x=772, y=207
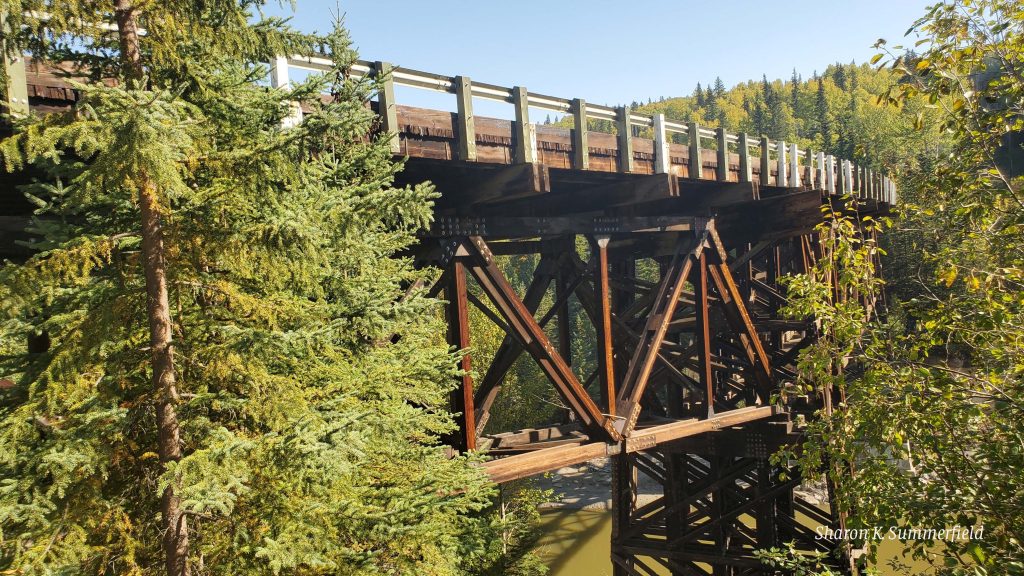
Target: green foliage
x=789, y=560
x=930, y=430
x=828, y=113
x=512, y=533
x=312, y=394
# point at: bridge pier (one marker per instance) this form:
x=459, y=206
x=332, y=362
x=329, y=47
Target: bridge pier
x=721, y=499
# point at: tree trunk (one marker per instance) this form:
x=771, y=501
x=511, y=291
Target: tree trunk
x=175, y=537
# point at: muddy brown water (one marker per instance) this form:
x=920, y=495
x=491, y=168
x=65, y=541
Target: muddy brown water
x=577, y=543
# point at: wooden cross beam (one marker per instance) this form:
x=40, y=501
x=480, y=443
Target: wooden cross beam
x=646, y=352
x=482, y=266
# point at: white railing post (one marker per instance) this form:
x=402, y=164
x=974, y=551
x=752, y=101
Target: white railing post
x=465, y=121
x=661, y=157
x=830, y=174
x=794, y=166
x=279, y=79
x=781, y=179
x=525, y=139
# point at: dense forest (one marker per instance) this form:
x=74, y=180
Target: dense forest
x=214, y=364
x=843, y=111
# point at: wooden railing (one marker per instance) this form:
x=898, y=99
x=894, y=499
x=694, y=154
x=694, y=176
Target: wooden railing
x=794, y=167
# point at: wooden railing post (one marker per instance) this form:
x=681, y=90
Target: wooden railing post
x=781, y=179
x=830, y=174
x=386, y=107
x=820, y=171
x=625, y=138
x=696, y=166
x=766, y=167
x=524, y=140
x=746, y=174
x=279, y=79
x=722, y=170
x=581, y=151
x=14, y=97
x=466, y=124
x=847, y=177
x=662, y=162
x=794, y=166
x=809, y=171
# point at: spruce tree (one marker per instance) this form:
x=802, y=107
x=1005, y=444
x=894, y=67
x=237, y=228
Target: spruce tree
x=794, y=87
x=719, y=87
x=235, y=382
x=839, y=76
x=824, y=122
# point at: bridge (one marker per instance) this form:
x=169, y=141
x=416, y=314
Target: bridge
x=669, y=242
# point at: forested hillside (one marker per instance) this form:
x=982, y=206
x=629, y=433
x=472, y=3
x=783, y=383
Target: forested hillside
x=843, y=110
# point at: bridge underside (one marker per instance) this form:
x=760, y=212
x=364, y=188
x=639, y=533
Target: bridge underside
x=650, y=303
x=645, y=290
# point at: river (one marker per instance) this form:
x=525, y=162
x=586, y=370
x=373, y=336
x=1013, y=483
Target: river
x=577, y=543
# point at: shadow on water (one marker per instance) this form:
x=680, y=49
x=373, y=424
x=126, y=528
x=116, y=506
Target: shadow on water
x=578, y=542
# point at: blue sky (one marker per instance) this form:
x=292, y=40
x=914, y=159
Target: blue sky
x=612, y=52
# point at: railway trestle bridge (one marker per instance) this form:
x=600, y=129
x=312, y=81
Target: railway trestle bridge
x=667, y=242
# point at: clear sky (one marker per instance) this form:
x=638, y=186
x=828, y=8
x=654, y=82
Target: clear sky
x=613, y=52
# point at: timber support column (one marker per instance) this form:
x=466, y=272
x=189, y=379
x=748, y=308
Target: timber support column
x=623, y=499
x=458, y=336
x=605, y=351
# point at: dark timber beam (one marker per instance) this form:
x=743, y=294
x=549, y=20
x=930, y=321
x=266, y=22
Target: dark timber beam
x=458, y=336
x=703, y=328
x=597, y=198
x=603, y=326
x=646, y=352
x=526, y=226
x=739, y=320
x=462, y=183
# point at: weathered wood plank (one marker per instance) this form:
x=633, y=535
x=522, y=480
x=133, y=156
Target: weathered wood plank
x=466, y=132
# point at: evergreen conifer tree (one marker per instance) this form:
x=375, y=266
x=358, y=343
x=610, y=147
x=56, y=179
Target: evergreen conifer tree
x=794, y=87
x=235, y=382
x=839, y=76
x=824, y=123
